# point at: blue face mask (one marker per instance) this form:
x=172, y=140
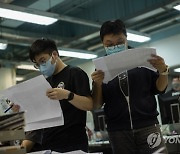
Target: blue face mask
x=115, y=49
x=47, y=69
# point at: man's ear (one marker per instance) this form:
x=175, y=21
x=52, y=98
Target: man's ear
x=55, y=54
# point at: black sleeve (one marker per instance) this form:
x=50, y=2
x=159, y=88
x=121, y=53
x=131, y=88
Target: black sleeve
x=80, y=82
x=155, y=76
x=105, y=93
x=34, y=136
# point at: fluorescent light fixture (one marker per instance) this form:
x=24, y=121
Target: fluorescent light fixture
x=26, y=67
x=90, y=36
x=76, y=53
x=137, y=36
x=29, y=15
x=3, y=44
x=95, y=46
x=19, y=78
x=177, y=7
x=177, y=70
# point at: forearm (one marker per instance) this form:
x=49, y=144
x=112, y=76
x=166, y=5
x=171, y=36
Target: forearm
x=97, y=96
x=28, y=145
x=82, y=102
x=162, y=82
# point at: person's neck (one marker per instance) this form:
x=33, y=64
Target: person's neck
x=59, y=66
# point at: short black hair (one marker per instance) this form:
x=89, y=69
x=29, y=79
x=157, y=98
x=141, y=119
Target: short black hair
x=112, y=27
x=43, y=45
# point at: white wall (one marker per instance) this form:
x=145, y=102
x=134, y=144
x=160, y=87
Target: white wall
x=169, y=49
x=88, y=68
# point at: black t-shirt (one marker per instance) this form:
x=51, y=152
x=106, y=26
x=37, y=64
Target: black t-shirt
x=36, y=137
x=142, y=88
x=73, y=131
x=170, y=95
x=167, y=111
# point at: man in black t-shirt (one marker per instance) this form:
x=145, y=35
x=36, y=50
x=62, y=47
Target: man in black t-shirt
x=169, y=103
x=129, y=99
x=70, y=85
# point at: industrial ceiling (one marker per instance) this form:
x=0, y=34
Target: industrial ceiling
x=79, y=22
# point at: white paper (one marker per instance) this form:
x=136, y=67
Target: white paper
x=116, y=63
x=31, y=96
x=41, y=152
x=53, y=122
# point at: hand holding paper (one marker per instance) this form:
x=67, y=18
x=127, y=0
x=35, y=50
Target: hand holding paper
x=40, y=111
x=158, y=63
x=116, y=63
x=57, y=93
x=97, y=76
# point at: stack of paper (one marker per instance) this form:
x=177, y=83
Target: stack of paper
x=40, y=111
x=12, y=150
x=11, y=129
x=12, y=121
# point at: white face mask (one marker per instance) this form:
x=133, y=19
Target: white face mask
x=115, y=49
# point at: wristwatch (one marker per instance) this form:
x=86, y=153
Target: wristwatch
x=166, y=72
x=70, y=96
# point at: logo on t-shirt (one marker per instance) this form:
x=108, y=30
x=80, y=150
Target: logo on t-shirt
x=175, y=93
x=154, y=140
x=61, y=85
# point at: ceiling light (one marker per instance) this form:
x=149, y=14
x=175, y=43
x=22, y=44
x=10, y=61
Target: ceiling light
x=177, y=7
x=177, y=70
x=76, y=53
x=137, y=36
x=3, y=44
x=26, y=67
x=28, y=15
x=95, y=46
x=90, y=36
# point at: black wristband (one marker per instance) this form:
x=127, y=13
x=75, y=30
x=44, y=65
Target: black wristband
x=70, y=96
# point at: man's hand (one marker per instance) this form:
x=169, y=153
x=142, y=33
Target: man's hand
x=158, y=63
x=97, y=77
x=28, y=145
x=89, y=133
x=15, y=108
x=57, y=93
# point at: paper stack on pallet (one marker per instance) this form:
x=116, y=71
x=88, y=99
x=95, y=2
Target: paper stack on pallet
x=11, y=130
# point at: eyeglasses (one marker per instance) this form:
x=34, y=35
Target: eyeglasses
x=36, y=66
x=115, y=46
x=42, y=63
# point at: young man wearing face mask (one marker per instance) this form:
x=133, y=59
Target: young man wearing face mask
x=176, y=87
x=174, y=93
x=176, y=84
x=132, y=124
x=70, y=85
